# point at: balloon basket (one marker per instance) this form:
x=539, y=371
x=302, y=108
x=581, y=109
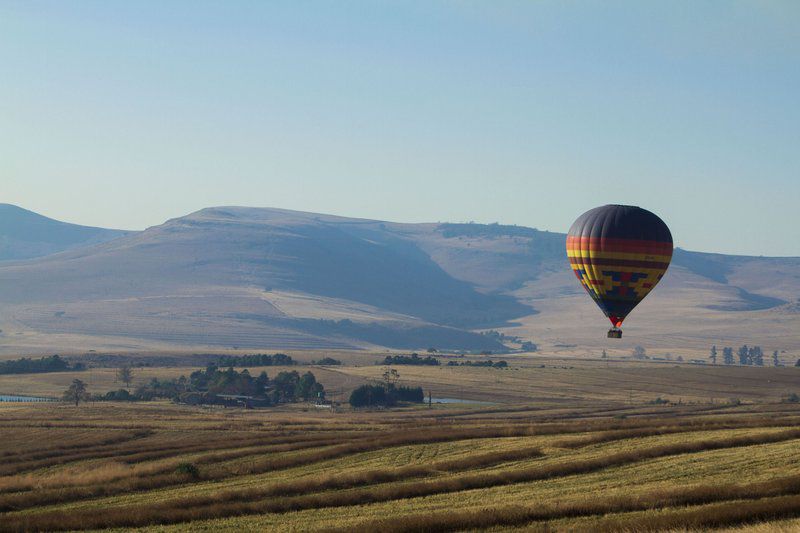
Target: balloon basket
x=615, y=333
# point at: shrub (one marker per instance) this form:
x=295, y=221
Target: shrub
x=188, y=469
x=120, y=395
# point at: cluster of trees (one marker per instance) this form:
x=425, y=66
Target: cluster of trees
x=54, y=363
x=257, y=359
x=639, y=352
x=215, y=386
x=327, y=361
x=745, y=355
x=291, y=387
x=413, y=359
x=385, y=395
x=502, y=338
x=489, y=363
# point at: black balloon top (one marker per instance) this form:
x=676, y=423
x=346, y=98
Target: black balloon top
x=621, y=222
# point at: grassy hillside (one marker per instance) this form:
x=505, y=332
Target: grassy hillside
x=25, y=234
x=227, y=278
x=544, y=380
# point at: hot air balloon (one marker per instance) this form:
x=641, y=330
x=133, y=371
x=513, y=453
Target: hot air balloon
x=619, y=253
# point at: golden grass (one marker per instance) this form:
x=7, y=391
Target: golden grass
x=460, y=467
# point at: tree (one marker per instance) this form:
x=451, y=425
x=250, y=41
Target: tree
x=797, y=363
x=713, y=355
x=76, y=392
x=604, y=356
x=529, y=346
x=775, y=359
x=125, y=375
x=367, y=395
x=307, y=387
x=756, y=356
x=639, y=353
x=391, y=376
x=286, y=385
x=744, y=355
x=727, y=355
x=261, y=383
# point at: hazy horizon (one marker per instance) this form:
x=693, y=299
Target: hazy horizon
x=124, y=115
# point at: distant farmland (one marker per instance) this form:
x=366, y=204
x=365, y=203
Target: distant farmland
x=163, y=466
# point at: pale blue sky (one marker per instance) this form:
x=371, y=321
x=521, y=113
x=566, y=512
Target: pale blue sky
x=125, y=114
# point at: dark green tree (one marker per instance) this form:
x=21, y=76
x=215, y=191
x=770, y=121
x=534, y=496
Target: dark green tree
x=391, y=377
x=76, y=392
x=369, y=395
x=308, y=388
x=125, y=375
x=756, y=356
x=713, y=355
x=727, y=355
x=744, y=355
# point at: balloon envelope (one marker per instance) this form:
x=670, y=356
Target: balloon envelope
x=619, y=253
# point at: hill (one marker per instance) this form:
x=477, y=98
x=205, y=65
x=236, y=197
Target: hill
x=25, y=234
x=269, y=278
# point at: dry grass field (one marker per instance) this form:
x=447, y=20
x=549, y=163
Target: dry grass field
x=530, y=379
x=567, y=446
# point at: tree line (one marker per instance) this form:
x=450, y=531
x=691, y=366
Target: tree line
x=215, y=386
x=53, y=363
x=413, y=359
x=744, y=355
x=385, y=395
x=256, y=359
x=489, y=363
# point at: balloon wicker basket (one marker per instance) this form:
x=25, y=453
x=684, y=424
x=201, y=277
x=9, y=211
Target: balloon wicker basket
x=615, y=333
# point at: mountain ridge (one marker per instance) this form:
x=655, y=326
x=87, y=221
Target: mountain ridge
x=316, y=280
x=25, y=234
